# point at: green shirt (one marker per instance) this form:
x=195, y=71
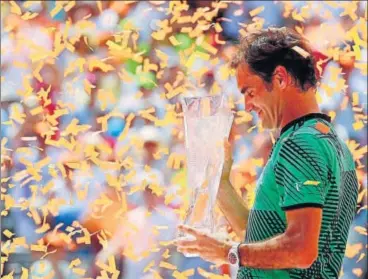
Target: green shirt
x=309, y=166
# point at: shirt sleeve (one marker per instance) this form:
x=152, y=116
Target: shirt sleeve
x=301, y=172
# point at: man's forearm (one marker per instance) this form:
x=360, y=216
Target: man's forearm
x=279, y=252
x=233, y=207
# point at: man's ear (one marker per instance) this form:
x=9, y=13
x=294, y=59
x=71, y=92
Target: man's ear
x=281, y=77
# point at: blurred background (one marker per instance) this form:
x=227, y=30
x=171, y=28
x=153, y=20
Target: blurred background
x=93, y=174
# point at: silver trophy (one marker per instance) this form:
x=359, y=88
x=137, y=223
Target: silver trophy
x=207, y=122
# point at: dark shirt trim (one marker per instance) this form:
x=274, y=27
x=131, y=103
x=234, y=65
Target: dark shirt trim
x=303, y=119
x=301, y=205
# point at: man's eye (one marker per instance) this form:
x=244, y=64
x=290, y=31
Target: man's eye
x=250, y=94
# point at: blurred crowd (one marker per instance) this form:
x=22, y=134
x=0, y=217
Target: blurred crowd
x=92, y=138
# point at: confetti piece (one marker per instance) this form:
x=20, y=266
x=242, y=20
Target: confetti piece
x=14, y=8
x=8, y=233
x=127, y=126
x=24, y=273
x=45, y=227
x=17, y=116
x=245, y=117
x=358, y=272
x=361, y=257
x=94, y=64
x=257, y=162
x=111, y=267
x=149, y=266
x=361, y=230
x=35, y=216
x=211, y=49
x=362, y=67
x=175, y=160
x=296, y=16
x=167, y=265
x=38, y=248
x=353, y=250
x=358, y=125
x=256, y=11
x=174, y=41
x=79, y=271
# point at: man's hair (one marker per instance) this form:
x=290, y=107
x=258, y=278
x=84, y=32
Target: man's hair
x=264, y=50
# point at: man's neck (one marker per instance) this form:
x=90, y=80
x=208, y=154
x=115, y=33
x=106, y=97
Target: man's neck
x=301, y=104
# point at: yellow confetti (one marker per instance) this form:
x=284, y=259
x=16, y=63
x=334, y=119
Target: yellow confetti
x=58, y=7
x=149, y=266
x=127, y=126
x=175, y=160
x=29, y=15
x=297, y=17
x=357, y=52
x=86, y=238
x=350, y=9
x=8, y=233
x=174, y=41
x=111, y=267
x=98, y=64
x=69, y=6
x=188, y=272
x=79, y=271
x=245, y=117
x=361, y=230
x=38, y=248
x=257, y=162
x=14, y=8
x=24, y=273
x=179, y=275
x=361, y=257
x=358, y=125
x=167, y=265
x=256, y=11
x=36, y=216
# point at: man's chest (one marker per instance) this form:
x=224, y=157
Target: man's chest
x=266, y=218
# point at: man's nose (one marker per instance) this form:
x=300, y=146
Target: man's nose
x=248, y=106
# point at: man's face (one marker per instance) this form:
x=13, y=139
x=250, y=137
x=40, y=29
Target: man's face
x=258, y=97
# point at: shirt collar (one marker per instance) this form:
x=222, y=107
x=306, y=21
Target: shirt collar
x=304, y=118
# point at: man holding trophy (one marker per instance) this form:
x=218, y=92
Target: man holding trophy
x=306, y=196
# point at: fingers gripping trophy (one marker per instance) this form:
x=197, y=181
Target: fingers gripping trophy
x=207, y=123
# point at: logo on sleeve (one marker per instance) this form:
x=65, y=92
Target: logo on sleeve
x=298, y=185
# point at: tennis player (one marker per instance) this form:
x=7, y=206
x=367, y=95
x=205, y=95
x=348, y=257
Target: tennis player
x=306, y=196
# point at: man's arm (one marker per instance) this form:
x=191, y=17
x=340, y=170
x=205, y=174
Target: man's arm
x=230, y=202
x=233, y=207
x=296, y=248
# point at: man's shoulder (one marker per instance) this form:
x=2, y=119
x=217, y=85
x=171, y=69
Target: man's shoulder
x=308, y=140
x=312, y=133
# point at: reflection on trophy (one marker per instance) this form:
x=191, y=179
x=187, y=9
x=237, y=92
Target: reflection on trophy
x=207, y=122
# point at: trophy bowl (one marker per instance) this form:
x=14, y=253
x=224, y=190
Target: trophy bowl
x=207, y=122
